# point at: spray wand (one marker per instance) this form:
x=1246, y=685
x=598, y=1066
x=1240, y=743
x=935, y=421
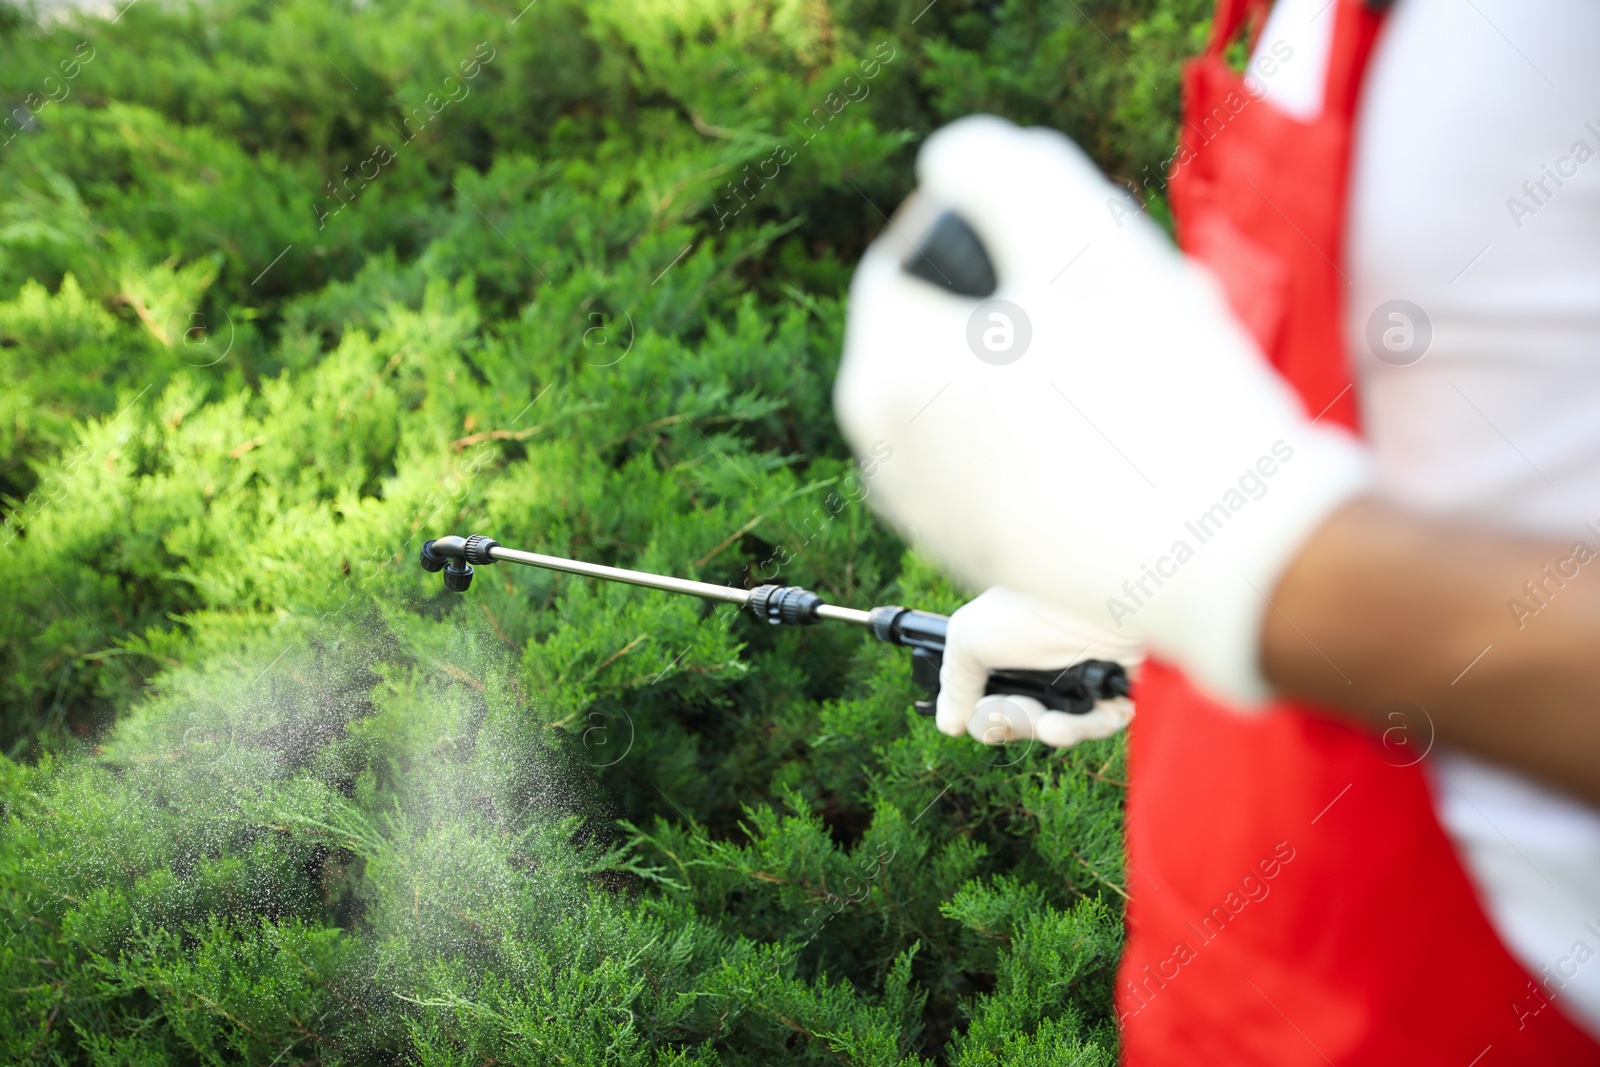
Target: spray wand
x=1072, y=689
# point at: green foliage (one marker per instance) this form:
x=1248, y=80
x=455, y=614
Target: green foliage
x=287, y=287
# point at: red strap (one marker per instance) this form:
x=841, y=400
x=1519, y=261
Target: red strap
x=1230, y=16
x=1353, y=35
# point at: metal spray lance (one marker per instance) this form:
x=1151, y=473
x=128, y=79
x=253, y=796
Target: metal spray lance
x=1072, y=689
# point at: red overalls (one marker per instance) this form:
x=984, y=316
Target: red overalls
x=1294, y=900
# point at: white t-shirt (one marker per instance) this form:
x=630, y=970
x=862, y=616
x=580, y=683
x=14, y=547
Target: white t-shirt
x=1475, y=200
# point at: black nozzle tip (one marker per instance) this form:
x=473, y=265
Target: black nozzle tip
x=432, y=562
x=458, y=576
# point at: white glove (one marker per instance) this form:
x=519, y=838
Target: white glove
x=1005, y=628
x=1138, y=463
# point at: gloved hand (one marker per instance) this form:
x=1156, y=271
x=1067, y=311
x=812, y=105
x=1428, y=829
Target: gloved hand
x=1114, y=442
x=1005, y=628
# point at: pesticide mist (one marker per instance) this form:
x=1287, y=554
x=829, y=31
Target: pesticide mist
x=268, y=794
x=412, y=791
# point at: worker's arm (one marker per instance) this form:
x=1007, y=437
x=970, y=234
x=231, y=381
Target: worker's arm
x=1101, y=433
x=1381, y=606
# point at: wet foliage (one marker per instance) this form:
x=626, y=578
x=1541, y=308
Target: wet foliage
x=287, y=287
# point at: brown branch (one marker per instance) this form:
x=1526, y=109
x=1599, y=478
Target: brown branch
x=394, y=361
x=663, y=423
x=1102, y=879
x=1109, y=781
x=330, y=988
x=996, y=934
x=705, y=129
x=44, y=1033
x=140, y=309
x=730, y=539
x=462, y=443
x=495, y=626
x=216, y=1009
x=797, y=1028
x=618, y=654
x=457, y=673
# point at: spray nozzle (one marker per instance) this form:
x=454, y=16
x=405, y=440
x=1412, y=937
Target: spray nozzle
x=455, y=557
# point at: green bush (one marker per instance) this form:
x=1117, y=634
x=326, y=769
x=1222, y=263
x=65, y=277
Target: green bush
x=287, y=287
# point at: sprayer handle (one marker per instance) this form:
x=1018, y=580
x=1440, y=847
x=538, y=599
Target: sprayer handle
x=1073, y=690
